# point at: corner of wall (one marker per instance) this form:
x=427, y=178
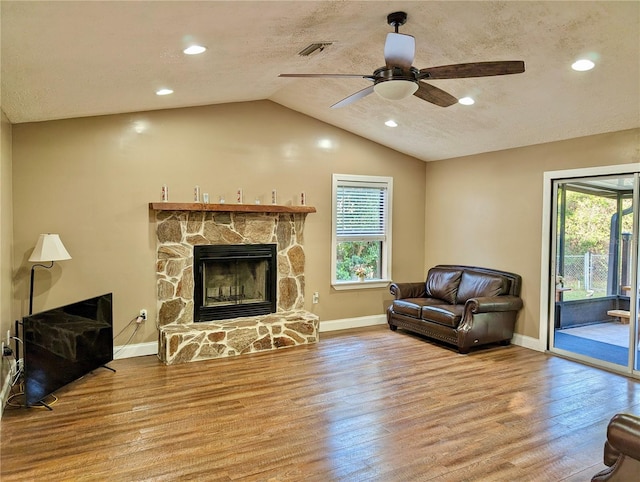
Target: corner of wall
x=6, y=248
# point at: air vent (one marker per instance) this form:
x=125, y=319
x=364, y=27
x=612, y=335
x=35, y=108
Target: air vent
x=313, y=48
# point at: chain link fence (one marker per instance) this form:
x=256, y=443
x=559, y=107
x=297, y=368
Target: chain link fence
x=586, y=275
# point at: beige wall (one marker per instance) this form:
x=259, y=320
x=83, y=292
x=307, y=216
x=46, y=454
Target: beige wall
x=6, y=234
x=487, y=209
x=91, y=180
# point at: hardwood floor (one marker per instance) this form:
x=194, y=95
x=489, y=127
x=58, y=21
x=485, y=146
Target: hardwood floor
x=362, y=405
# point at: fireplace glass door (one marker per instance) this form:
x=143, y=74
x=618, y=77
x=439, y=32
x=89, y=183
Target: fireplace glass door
x=234, y=280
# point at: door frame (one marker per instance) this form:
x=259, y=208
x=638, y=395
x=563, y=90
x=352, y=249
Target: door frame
x=547, y=218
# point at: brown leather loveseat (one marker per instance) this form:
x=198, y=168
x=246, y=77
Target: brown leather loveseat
x=465, y=306
x=621, y=450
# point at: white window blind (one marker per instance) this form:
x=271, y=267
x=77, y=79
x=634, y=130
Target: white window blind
x=361, y=211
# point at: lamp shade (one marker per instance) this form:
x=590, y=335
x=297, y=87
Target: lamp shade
x=395, y=89
x=49, y=248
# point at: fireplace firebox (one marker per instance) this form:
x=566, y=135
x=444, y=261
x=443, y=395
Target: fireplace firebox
x=234, y=280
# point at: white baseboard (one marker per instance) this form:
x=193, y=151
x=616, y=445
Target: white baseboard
x=151, y=348
x=5, y=391
x=346, y=323
x=527, y=342
x=139, y=349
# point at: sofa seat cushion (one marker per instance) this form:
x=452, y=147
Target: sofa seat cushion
x=442, y=283
x=449, y=315
x=413, y=306
x=474, y=285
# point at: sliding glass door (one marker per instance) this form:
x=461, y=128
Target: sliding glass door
x=594, y=271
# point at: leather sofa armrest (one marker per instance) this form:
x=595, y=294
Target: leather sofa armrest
x=623, y=436
x=610, y=454
x=408, y=290
x=489, y=304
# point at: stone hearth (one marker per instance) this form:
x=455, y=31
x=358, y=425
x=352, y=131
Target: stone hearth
x=179, y=227
x=239, y=336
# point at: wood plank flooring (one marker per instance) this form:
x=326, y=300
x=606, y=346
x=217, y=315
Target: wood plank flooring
x=362, y=405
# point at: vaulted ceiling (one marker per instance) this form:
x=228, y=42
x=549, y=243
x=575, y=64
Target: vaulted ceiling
x=85, y=58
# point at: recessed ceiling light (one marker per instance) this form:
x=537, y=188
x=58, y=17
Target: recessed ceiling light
x=466, y=101
x=164, y=92
x=582, y=65
x=194, y=49
x=391, y=123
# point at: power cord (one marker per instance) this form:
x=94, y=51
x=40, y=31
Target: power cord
x=16, y=365
x=137, y=322
x=127, y=326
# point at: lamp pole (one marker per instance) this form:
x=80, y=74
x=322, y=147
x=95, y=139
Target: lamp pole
x=33, y=269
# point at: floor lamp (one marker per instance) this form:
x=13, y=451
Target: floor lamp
x=49, y=248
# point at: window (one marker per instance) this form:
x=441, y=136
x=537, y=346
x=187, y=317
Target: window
x=361, y=228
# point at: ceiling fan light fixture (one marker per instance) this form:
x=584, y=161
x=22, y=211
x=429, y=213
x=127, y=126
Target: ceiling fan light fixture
x=395, y=89
x=466, y=101
x=391, y=123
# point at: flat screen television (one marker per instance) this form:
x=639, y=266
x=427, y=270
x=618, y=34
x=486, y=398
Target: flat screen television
x=64, y=344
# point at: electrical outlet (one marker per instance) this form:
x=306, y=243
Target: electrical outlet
x=316, y=297
x=143, y=314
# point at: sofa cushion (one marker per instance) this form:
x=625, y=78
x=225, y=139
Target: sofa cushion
x=449, y=315
x=474, y=284
x=413, y=306
x=443, y=284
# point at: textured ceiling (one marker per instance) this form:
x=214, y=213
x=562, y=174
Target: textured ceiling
x=83, y=58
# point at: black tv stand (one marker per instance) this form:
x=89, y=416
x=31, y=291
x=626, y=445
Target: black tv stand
x=108, y=368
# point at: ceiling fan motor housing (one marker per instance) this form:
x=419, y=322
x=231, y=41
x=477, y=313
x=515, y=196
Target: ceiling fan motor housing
x=384, y=74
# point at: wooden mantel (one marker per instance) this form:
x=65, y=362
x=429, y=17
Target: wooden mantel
x=232, y=208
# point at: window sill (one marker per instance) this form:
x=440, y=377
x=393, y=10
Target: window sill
x=358, y=285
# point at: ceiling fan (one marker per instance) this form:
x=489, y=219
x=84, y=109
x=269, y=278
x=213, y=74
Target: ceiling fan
x=399, y=78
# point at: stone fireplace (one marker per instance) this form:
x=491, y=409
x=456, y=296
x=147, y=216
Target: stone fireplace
x=180, y=227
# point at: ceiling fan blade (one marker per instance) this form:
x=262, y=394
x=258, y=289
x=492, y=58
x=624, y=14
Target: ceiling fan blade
x=473, y=69
x=328, y=76
x=353, y=97
x=434, y=95
x=399, y=50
